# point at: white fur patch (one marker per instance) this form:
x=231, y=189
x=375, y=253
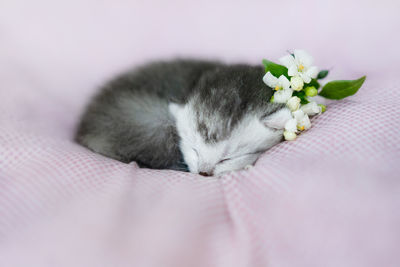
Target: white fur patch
x=247, y=141
x=278, y=119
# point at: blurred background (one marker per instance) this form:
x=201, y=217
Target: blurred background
x=56, y=52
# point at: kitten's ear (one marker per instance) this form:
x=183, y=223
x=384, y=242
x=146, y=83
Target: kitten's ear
x=278, y=119
x=175, y=109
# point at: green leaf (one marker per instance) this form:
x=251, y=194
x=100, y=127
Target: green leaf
x=322, y=74
x=275, y=69
x=341, y=89
x=304, y=101
x=314, y=83
x=302, y=96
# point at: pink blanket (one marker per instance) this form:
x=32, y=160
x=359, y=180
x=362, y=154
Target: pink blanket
x=331, y=198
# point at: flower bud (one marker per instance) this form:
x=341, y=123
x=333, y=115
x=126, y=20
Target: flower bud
x=323, y=107
x=311, y=108
x=289, y=136
x=297, y=83
x=293, y=103
x=311, y=91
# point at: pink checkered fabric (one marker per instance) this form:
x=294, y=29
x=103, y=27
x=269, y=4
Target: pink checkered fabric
x=331, y=198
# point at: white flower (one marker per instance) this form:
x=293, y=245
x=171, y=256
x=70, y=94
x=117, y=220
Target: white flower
x=276, y=83
x=297, y=83
x=282, y=96
x=298, y=114
x=293, y=103
x=300, y=65
x=311, y=108
x=303, y=121
x=289, y=136
x=291, y=125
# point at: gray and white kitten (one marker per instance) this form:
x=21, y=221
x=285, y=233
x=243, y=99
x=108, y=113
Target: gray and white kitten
x=208, y=117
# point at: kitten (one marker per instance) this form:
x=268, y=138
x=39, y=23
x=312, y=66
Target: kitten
x=208, y=117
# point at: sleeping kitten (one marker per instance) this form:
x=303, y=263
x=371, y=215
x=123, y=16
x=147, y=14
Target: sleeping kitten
x=208, y=117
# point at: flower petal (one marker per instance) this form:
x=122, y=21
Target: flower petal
x=283, y=82
x=291, y=125
x=305, y=122
x=270, y=80
x=303, y=57
x=287, y=60
x=312, y=72
x=305, y=77
x=292, y=70
x=298, y=115
x=282, y=96
x=311, y=108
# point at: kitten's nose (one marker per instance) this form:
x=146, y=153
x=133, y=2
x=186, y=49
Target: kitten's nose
x=206, y=169
x=206, y=173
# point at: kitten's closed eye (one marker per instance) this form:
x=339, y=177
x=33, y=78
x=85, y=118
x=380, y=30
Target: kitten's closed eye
x=223, y=160
x=238, y=157
x=236, y=163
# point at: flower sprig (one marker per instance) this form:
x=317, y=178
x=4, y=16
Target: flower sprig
x=296, y=81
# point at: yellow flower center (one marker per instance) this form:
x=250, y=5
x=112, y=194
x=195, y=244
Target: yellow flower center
x=301, y=128
x=301, y=67
x=277, y=88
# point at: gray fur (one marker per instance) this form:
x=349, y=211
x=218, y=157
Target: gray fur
x=229, y=93
x=129, y=119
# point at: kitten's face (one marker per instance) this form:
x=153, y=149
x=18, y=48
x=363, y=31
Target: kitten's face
x=213, y=144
